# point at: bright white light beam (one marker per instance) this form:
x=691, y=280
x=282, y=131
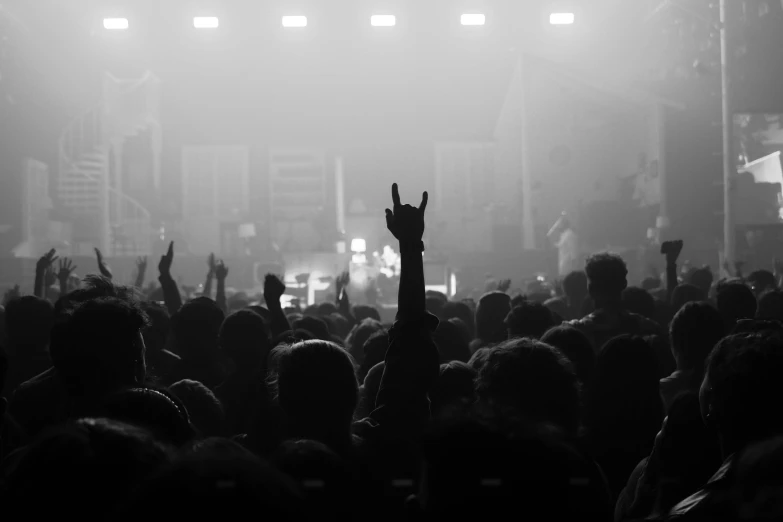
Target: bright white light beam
x=383, y=20
x=115, y=24
x=294, y=21
x=206, y=22
x=473, y=19
x=561, y=18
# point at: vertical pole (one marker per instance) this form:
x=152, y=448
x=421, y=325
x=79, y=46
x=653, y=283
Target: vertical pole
x=340, y=193
x=528, y=228
x=728, y=121
x=660, y=138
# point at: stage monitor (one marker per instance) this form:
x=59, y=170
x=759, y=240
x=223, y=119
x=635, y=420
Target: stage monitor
x=758, y=143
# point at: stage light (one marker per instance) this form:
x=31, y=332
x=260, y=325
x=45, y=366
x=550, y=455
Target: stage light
x=206, y=22
x=473, y=19
x=561, y=18
x=358, y=245
x=294, y=21
x=115, y=24
x=383, y=20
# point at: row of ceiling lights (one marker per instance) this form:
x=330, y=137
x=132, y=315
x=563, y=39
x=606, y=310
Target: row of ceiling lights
x=299, y=21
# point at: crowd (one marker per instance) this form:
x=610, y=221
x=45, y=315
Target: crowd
x=603, y=402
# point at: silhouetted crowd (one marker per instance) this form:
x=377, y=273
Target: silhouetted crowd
x=598, y=401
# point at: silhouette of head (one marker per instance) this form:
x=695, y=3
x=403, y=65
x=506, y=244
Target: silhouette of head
x=607, y=278
x=575, y=285
x=770, y=305
x=451, y=343
x=317, y=390
x=741, y=393
x=639, y=301
x=314, y=325
x=686, y=293
x=455, y=385
x=491, y=313
x=534, y=379
x=28, y=323
x=245, y=339
x=702, y=279
x=576, y=346
x=204, y=409
x=694, y=332
x=529, y=320
x=735, y=301
x=196, y=327
x=761, y=280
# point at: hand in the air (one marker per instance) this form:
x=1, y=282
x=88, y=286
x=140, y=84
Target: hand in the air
x=274, y=288
x=141, y=265
x=102, y=268
x=504, y=285
x=64, y=271
x=46, y=261
x=221, y=270
x=11, y=294
x=211, y=263
x=406, y=222
x=164, y=267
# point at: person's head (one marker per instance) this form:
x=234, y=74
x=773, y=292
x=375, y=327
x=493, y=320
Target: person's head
x=204, y=409
x=529, y=320
x=325, y=309
x=623, y=403
x=455, y=385
x=362, y=312
x=94, y=287
x=770, y=305
x=735, y=301
x=314, y=325
x=741, y=394
x=245, y=339
x=484, y=467
x=651, y=283
x=434, y=305
x=207, y=484
x=28, y=323
x=157, y=332
x=575, y=286
x=156, y=410
x=81, y=470
x=359, y=335
x=316, y=388
x=104, y=348
x=534, y=379
x=694, y=332
x=451, y=343
x=686, y=293
x=639, y=301
x=576, y=346
x=702, y=279
x=606, y=278
x=368, y=391
x=759, y=482
x=196, y=329
x=323, y=477
x=761, y=280
x=479, y=357
x=491, y=315
x=374, y=352
x=462, y=311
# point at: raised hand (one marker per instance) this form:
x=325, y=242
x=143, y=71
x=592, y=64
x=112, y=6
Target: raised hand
x=50, y=277
x=141, y=266
x=102, y=268
x=221, y=270
x=672, y=250
x=274, y=289
x=164, y=267
x=406, y=222
x=341, y=282
x=64, y=271
x=46, y=261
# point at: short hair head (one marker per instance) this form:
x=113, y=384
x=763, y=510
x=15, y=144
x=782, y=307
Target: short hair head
x=606, y=275
x=575, y=285
x=694, y=332
x=529, y=320
x=245, y=338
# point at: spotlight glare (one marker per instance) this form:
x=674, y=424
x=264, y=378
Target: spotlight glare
x=294, y=21
x=383, y=20
x=561, y=18
x=473, y=19
x=115, y=24
x=206, y=22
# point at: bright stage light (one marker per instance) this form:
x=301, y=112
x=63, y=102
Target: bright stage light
x=383, y=20
x=294, y=21
x=206, y=22
x=358, y=245
x=561, y=18
x=473, y=19
x=115, y=24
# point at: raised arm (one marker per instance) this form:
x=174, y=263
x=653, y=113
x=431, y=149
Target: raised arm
x=141, y=271
x=412, y=360
x=170, y=291
x=221, y=272
x=274, y=288
x=671, y=249
x=210, y=275
x=41, y=267
x=102, y=266
x=343, y=302
x=64, y=272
